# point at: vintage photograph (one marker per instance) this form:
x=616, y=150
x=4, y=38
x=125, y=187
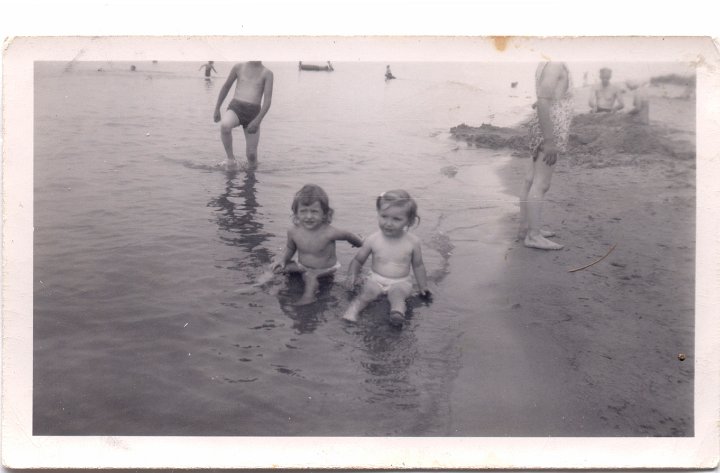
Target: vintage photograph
x=326, y=247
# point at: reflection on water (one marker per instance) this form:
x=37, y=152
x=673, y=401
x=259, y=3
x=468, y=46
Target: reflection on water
x=240, y=222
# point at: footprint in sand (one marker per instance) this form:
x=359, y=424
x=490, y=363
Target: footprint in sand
x=449, y=171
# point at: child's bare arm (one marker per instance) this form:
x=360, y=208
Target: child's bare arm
x=419, y=270
x=350, y=237
x=357, y=263
x=290, y=249
x=224, y=91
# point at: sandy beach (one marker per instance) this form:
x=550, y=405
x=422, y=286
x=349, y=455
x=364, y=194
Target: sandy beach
x=606, y=350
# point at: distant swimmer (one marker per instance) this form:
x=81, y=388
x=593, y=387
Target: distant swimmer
x=154, y=61
x=208, y=68
x=133, y=68
x=605, y=97
x=388, y=73
x=513, y=84
x=252, y=99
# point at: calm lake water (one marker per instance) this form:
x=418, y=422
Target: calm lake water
x=147, y=319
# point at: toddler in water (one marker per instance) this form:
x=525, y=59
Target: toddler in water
x=313, y=238
x=394, y=251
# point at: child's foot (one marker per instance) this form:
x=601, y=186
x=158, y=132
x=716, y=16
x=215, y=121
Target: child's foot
x=396, y=318
x=229, y=165
x=350, y=315
x=305, y=300
x=541, y=243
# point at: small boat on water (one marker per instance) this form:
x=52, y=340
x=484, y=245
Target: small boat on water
x=315, y=67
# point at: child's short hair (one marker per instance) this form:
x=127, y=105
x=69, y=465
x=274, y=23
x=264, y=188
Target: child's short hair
x=308, y=195
x=399, y=198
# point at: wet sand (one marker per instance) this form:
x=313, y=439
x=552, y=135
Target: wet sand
x=592, y=352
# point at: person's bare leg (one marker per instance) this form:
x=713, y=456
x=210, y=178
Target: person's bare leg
x=397, y=295
x=369, y=292
x=229, y=121
x=251, y=148
x=540, y=184
x=526, y=185
x=311, y=286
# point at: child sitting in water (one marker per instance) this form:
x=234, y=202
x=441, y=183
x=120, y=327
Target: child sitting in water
x=394, y=251
x=313, y=238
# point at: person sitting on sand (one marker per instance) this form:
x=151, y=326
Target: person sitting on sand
x=549, y=130
x=394, y=251
x=605, y=97
x=641, y=103
x=388, y=73
x=208, y=68
x=254, y=86
x=313, y=239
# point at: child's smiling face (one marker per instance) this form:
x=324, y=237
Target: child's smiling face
x=392, y=220
x=310, y=216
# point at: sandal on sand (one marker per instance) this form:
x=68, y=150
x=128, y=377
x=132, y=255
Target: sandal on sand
x=397, y=318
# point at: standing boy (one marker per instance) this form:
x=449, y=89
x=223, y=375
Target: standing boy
x=252, y=99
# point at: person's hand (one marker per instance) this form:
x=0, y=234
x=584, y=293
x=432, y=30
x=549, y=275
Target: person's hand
x=277, y=266
x=216, y=115
x=252, y=127
x=550, y=152
x=425, y=295
x=350, y=282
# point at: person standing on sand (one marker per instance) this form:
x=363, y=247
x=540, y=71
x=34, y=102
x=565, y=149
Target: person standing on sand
x=254, y=87
x=549, y=130
x=604, y=96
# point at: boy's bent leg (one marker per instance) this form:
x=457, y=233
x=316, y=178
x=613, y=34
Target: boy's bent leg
x=536, y=195
x=311, y=287
x=252, y=141
x=229, y=121
x=370, y=291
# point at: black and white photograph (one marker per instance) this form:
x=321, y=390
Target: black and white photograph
x=278, y=242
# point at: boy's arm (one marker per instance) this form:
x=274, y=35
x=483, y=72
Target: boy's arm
x=224, y=91
x=620, y=104
x=266, y=102
x=419, y=269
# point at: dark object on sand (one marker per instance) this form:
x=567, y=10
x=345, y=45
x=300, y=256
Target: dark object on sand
x=513, y=84
x=314, y=67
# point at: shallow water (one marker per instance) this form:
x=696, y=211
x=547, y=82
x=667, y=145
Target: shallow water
x=147, y=315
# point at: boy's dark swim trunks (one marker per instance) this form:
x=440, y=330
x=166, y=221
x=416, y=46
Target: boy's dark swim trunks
x=245, y=111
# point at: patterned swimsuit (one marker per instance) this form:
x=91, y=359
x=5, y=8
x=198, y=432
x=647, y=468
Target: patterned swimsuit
x=561, y=111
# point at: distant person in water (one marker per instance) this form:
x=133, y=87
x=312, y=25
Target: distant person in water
x=605, y=97
x=311, y=240
x=252, y=99
x=388, y=73
x=395, y=254
x=133, y=68
x=208, y=68
x=549, y=130
x=641, y=103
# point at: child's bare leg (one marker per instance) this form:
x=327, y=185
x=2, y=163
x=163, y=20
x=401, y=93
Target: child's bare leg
x=229, y=121
x=311, y=286
x=369, y=292
x=397, y=295
x=251, y=147
x=540, y=185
